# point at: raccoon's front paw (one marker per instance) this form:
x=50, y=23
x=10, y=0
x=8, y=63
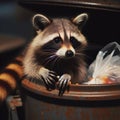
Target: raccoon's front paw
x=49, y=78
x=63, y=83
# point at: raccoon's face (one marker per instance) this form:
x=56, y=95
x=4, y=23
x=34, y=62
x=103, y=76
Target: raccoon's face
x=62, y=37
x=58, y=38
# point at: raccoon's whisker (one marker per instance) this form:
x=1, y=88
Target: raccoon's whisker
x=79, y=54
x=55, y=61
x=53, y=56
x=50, y=54
x=49, y=51
x=49, y=59
x=58, y=63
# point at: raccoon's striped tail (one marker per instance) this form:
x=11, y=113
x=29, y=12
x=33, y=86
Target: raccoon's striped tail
x=10, y=76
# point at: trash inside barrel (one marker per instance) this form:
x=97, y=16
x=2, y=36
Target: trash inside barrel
x=82, y=102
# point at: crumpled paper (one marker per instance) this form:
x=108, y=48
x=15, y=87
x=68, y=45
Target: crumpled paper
x=106, y=67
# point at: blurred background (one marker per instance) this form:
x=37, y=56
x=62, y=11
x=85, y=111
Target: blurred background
x=14, y=20
x=15, y=32
x=15, y=29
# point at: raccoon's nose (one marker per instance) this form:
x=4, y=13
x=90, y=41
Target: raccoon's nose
x=69, y=53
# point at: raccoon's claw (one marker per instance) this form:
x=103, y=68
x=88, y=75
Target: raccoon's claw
x=50, y=80
x=63, y=83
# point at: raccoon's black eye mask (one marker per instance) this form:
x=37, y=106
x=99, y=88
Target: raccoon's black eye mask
x=75, y=43
x=57, y=42
x=54, y=44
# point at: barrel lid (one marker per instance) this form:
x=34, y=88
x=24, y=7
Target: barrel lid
x=77, y=92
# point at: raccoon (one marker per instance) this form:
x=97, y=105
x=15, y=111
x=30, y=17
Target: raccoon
x=55, y=56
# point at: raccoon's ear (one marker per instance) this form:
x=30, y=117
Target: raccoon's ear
x=80, y=20
x=40, y=21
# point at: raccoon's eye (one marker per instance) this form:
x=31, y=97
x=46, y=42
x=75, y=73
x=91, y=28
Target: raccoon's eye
x=75, y=43
x=57, y=40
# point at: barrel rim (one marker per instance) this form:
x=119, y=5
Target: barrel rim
x=77, y=92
